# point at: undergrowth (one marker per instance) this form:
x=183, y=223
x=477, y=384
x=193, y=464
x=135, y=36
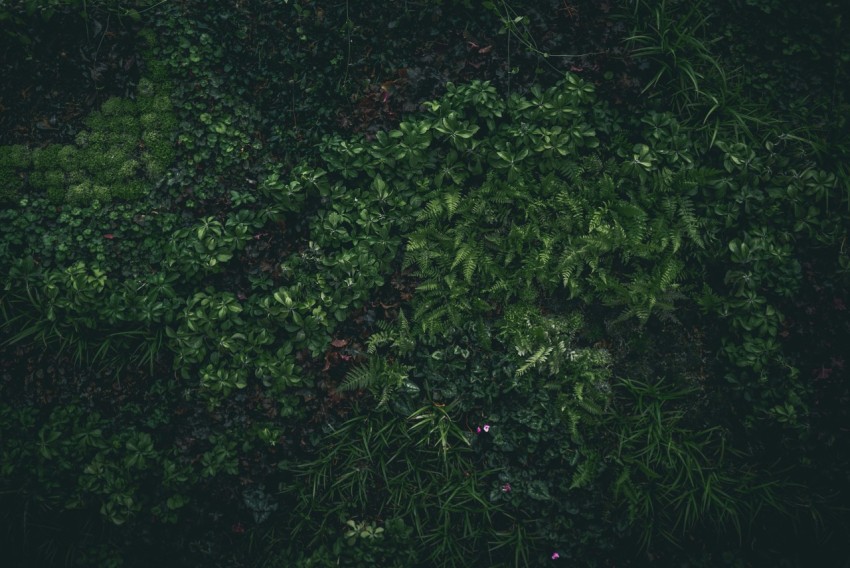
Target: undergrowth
x=511, y=327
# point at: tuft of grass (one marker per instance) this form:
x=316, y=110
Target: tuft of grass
x=418, y=469
x=674, y=478
x=673, y=37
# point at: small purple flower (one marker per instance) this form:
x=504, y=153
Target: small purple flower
x=506, y=488
x=555, y=556
x=478, y=430
x=486, y=427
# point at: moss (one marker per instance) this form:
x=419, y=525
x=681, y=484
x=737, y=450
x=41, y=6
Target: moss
x=129, y=169
x=56, y=195
x=114, y=158
x=116, y=106
x=80, y=193
x=9, y=179
x=110, y=166
x=46, y=180
x=83, y=139
x=100, y=192
x=167, y=124
x=148, y=36
x=109, y=172
x=76, y=176
x=131, y=190
x=14, y=161
x=86, y=192
x=121, y=142
x=158, y=146
x=96, y=121
x=107, y=149
x=36, y=179
x=124, y=125
x=150, y=121
x=154, y=169
x=10, y=184
x=158, y=72
x=51, y=182
x=126, y=143
x=68, y=157
x=46, y=158
x=90, y=160
x=54, y=178
x=15, y=157
x=164, y=123
x=162, y=104
x=145, y=88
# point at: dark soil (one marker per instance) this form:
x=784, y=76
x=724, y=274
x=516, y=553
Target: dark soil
x=56, y=72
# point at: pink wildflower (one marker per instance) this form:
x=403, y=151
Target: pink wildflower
x=506, y=488
x=486, y=427
x=555, y=556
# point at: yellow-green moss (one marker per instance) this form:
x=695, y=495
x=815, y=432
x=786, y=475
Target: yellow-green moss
x=14, y=161
x=125, y=149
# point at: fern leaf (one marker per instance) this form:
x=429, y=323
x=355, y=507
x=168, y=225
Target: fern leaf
x=362, y=377
x=451, y=200
x=385, y=395
x=584, y=472
x=469, y=266
x=668, y=274
x=463, y=253
x=433, y=211
x=539, y=356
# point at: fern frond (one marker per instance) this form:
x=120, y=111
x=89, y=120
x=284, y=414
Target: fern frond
x=404, y=325
x=540, y=356
x=689, y=222
x=573, y=419
x=452, y=200
x=427, y=286
x=570, y=170
x=385, y=395
x=585, y=472
x=364, y=376
x=569, y=278
x=433, y=210
x=469, y=266
x=463, y=253
x=668, y=273
x=378, y=339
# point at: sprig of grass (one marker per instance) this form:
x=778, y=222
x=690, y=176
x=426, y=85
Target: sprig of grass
x=418, y=469
x=674, y=477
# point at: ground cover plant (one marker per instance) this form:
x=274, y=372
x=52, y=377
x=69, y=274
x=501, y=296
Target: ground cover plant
x=440, y=284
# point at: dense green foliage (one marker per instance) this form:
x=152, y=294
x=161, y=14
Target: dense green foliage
x=521, y=324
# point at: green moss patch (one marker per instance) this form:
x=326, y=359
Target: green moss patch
x=124, y=150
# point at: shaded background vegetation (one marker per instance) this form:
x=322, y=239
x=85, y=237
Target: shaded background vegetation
x=129, y=434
